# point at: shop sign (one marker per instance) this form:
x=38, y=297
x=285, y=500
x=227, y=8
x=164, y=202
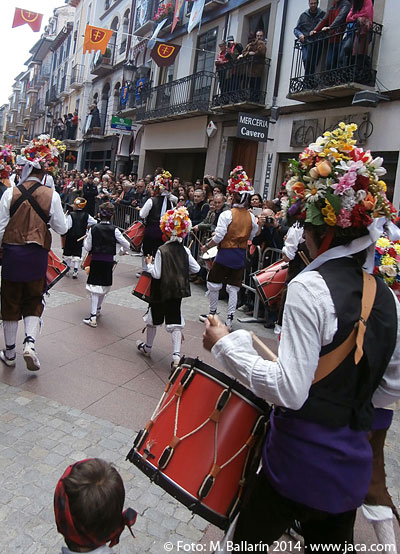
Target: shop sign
x=121, y=124
x=252, y=127
x=268, y=171
x=306, y=131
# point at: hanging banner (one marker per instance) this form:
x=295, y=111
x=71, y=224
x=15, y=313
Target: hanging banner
x=124, y=95
x=139, y=87
x=154, y=36
x=164, y=54
x=178, y=13
x=33, y=19
x=96, y=38
x=196, y=14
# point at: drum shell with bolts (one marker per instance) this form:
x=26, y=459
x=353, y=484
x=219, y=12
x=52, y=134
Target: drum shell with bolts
x=56, y=269
x=208, y=480
x=143, y=287
x=209, y=257
x=271, y=281
x=85, y=264
x=134, y=234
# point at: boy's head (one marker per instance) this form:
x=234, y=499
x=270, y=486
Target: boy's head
x=106, y=211
x=88, y=503
x=79, y=203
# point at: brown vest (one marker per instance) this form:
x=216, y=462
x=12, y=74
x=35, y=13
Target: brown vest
x=239, y=230
x=26, y=226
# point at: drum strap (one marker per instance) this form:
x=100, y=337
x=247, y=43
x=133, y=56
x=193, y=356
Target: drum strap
x=328, y=363
x=27, y=195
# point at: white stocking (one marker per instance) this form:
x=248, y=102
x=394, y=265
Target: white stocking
x=31, y=324
x=385, y=534
x=232, y=298
x=10, y=336
x=100, y=300
x=76, y=265
x=213, y=295
x=176, y=336
x=94, y=303
x=150, y=335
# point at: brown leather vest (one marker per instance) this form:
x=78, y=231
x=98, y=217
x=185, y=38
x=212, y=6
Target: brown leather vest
x=239, y=230
x=26, y=226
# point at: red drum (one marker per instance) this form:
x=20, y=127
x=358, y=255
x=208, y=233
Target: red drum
x=143, y=286
x=270, y=281
x=203, y=440
x=85, y=264
x=135, y=235
x=56, y=269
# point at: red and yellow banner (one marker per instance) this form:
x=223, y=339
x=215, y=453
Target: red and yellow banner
x=33, y=19
x=164, y=54
x=96, y=38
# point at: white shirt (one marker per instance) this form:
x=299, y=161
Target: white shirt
x=57, y=222
x=293, y=238
x=145, y=210
x=309, y=322
x=48, y=181
x=155, y=268
x=225, y=219
x=104, y=549
x=91, y=221
x=87, y=243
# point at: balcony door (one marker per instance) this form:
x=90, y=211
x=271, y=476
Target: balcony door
x=245, y=154
x=164, y=96
x=205, y=58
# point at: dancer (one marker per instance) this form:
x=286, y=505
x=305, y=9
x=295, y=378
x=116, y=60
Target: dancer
x=234, y=229
x=327, y=378
x=170, y=270
x=101, y=242
x=26, y=213
x=78, y=221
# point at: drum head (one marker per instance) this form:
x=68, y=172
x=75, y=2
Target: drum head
x=211, y=253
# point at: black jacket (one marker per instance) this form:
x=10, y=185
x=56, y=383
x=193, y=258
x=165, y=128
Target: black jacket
x=307, y=22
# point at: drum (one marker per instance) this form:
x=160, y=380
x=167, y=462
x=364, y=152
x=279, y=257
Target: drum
x=143, y=286
x=135, y=235
x=203, y=440
x=85, y=264
x=270, y=282
x=209, y=257
x=56, y=269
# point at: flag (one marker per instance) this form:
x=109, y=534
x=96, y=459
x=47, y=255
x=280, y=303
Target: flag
x=178, y=13
x=164, y=54
x=96, y=38
x=154, y=36
x=33, y=19
x=196, y=14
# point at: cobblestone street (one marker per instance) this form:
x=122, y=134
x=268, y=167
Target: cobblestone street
x=90, y=398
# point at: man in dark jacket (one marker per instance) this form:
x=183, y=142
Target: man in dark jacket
x=89, y=193
x=308, y=20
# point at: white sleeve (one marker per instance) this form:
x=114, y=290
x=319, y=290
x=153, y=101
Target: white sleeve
x=87, y=243
x=155, y=268
x=91, y=221
x=69, y=221
x=224, y=220
x=121, y=239
x=388, y=390
x=309, y=322
x=194, y=267
x=5, y=204
x=293, y=238
x=254, y=228
x=58, y=221
x=144, y=212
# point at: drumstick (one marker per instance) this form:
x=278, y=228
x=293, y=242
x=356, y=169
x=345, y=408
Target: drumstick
x=81, y=238
x=273, y=357
x=195, y=237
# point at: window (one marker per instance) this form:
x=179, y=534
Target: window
x=259, y=22
x=206, y=48
x=125, y=31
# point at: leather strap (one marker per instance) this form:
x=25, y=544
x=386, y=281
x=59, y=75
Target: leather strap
x=26, y=194
x=328, y=363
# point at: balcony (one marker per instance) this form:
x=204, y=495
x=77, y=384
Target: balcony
x=77, y=77
x=241, y=85
x=144, y=18
x=186, y=97
x=334, y=65
x=44, y=74
x=38, y=109
x=95, y=125
x=52, y=95
x=103, y=65
x=32, y=85
x=64, y=86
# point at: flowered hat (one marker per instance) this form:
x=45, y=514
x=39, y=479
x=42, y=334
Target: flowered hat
x=239, y=182
x=6, y=160
x=80, y=202
x=42, y=153
x=387, y=262
x=337, y=184
x=162, y=182
x=176, y=223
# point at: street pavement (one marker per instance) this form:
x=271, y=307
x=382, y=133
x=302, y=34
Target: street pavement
x=90, y=397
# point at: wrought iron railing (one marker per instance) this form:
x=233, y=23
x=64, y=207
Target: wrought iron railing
x=144, y=14
x=95, y=124
x=338, y=57
x=244, y=80
x=185, y=95
x=77, y=74
x=107, y=58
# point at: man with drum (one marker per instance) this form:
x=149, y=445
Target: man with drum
x=234, y=229
x=326, y=381
x=26, y=213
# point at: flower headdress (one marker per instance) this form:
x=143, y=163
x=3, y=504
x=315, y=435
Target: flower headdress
x=6, y=160
x=162, y=182
x=176, y=223
x=337, y=184
x=239, y=182
x=387, y=262
x=42, y=153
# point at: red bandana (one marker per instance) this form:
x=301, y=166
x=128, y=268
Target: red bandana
x=75, y=533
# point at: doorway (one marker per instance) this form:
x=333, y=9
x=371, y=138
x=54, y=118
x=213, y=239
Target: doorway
x=245, y=154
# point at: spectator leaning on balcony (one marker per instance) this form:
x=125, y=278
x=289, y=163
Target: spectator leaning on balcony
x=355, y=42
x=308, y=20
x=221, y=64
x=254, y=53
x=334, y=22
x=94, y=114
x=233, y=51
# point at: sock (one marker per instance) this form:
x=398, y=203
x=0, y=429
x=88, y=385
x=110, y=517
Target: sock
x=176, y=336
x=76, y=265
x=31, y=324
x=151, y=331
x=10, y=336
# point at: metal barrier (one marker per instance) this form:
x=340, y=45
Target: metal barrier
x=125, y=216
